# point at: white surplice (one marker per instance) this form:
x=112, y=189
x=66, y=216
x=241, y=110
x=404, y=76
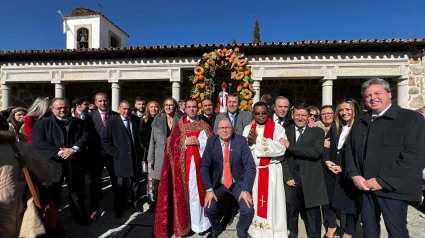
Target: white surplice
x=275, y=224
x=199, y=221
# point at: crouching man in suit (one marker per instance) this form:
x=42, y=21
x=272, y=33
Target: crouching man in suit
x=231, y=170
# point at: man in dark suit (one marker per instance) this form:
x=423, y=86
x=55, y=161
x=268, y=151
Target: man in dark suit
x=62, y=140
x=98, y=119
x=384, y=157
x=121, y=140
x=281, y=113
x=240, y=119
x=302, y=173
x=233, y=171
x=208, y=114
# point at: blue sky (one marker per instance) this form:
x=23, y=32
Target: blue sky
x=29, y=24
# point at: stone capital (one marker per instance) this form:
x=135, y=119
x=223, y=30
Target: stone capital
x=114, y=81
x=329, y=78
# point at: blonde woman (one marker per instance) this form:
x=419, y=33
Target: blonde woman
x=38, y=110
x=342, y=194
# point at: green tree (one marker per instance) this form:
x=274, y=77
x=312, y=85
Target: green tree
x=256, y=33
x=234, y=42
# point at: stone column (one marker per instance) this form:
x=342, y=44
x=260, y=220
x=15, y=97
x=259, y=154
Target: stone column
x=327, y=90
x=6, y=92
x=403, y=92
x=176, y=91
x=116, y=96
x=59, y=90
x=256, y=87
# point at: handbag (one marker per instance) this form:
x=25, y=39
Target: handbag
x=49, y=213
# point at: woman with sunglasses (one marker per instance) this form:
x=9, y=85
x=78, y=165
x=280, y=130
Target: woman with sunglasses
x=16, y=120
x=342, y=194
x=162, y=126
x=313, y=114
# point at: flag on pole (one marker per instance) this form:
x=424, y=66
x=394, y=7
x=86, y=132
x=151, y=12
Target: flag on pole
x=65, y=24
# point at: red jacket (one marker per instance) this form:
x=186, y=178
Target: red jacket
x=28, y=126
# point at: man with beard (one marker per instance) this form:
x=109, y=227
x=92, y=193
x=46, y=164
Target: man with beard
x=268, y=192
x=140, y=105
x=208, y=114
x=62, y=139
x=181, y=191
x=98, y=119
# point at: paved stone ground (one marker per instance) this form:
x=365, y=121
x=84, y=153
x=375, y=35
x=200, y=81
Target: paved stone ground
x=133, y=224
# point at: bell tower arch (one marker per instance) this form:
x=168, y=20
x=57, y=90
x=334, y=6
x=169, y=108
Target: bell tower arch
x=85, y=28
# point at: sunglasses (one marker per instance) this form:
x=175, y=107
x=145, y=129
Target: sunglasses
x=345, y=100
x=260, y=113
x=314, y=115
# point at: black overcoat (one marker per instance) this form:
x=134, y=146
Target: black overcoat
x=48, y=137
x=127, y=153
x=391, y=148
x=309, y=153
x=342, y=193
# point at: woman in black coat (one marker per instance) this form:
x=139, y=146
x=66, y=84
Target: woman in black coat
x=342, y=194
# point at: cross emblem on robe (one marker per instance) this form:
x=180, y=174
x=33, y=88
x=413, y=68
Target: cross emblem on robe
x=262, y=200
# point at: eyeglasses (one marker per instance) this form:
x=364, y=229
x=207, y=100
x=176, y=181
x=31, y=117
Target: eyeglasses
x=260, y=113
x=224, y=128
x=327, y=114
x=169, y=105
x=60, y=108
x=314, y=115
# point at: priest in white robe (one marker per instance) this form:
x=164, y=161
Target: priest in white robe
x=268, y=192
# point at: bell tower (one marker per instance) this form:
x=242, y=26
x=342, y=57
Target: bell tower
x=85, y=28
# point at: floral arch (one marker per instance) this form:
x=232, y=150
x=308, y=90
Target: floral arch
x=223, y=59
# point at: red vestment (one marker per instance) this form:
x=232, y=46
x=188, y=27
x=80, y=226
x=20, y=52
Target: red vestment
x=173, y=196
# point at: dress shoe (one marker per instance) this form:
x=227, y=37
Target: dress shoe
x=214, y=234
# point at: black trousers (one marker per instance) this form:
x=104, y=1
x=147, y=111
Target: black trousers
x=313, y=217
x=96, y=171
x=246, y=213
x=75, y=184
x=393, y=211
x=123, y=185
x=348, y=222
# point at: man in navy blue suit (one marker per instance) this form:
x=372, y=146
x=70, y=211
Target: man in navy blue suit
x=233, y=171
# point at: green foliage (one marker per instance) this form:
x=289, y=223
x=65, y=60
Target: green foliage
x=257, y=38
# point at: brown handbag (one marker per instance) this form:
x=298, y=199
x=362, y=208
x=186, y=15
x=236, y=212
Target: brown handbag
x=49, y=213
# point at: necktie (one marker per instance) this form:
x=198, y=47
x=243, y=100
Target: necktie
x=374, y=117
x=104, y=119
x=233, y=119
x=227, y=174
x=127, y=126
x=300, y=130
x=281, y=120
